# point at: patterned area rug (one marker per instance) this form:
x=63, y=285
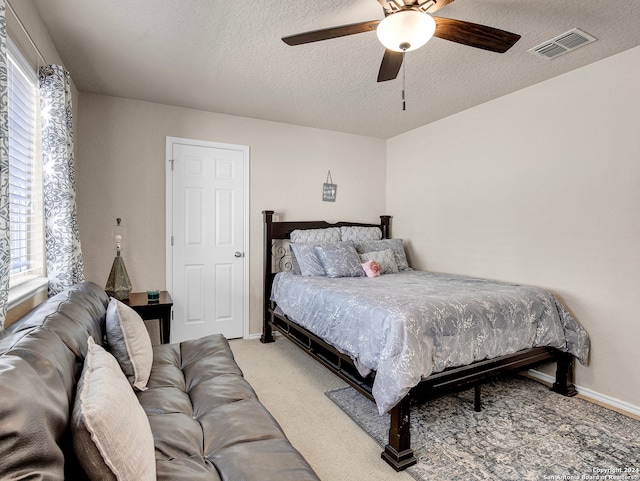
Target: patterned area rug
x=524, y=432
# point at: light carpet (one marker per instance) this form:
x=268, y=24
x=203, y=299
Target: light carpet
x=524, y=432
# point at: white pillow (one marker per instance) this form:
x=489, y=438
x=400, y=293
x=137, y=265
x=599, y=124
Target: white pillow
x=340, y=259
x=304, y=257
x=385, y=258
x=358, y=233
x=129, y=342
x=330, y=234
x=395, y=245
x=110, y=430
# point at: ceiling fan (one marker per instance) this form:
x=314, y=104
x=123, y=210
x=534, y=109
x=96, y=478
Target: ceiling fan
x=407, y=26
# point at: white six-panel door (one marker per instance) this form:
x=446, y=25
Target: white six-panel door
x=207, y=238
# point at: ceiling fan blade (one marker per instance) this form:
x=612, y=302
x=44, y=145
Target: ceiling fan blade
x=438, y=5
x=333, y=32
x=391, y=63
x=474, y=35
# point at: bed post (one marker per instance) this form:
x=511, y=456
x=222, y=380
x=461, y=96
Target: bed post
x=564, y=375
x=398, y=452
x=267, y=333
x=385, y=222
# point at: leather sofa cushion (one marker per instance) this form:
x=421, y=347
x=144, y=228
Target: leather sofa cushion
x=207, y=421
x=41, y=357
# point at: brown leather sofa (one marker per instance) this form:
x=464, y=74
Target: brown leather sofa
x=206, y=420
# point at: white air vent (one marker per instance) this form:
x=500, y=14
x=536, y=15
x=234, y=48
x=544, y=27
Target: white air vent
x=562, y=44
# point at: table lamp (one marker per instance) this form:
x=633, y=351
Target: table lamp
x=118, y=284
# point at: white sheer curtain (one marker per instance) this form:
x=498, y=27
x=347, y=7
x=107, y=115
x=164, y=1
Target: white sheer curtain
x=5, y=247
x=62, y=239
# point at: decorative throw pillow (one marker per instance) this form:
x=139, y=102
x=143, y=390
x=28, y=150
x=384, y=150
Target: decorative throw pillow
x=358, y=233
x=295, y=265
x=129, y=342
x=371, y=268
x=110, y=430
x=324, y=236
x=395, y=245
x=385, y=259
x=339, y=260
x=306, y=259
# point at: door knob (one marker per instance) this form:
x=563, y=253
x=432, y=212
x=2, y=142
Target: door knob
x=238, y=254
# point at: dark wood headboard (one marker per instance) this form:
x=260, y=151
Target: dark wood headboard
x=277, y=231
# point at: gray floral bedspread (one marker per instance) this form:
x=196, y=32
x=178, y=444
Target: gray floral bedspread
x=408, y=325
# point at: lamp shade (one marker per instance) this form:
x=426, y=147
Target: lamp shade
x=406, y=30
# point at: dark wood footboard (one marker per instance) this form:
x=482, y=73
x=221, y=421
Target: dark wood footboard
x=397, y=452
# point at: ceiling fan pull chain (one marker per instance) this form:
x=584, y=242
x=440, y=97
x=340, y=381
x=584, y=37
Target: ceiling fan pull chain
x=404, y=80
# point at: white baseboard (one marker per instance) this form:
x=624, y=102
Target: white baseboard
x=596, y=396
x=259, y=335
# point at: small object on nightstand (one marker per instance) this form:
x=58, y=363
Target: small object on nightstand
x=148, y=310
x=153, y=296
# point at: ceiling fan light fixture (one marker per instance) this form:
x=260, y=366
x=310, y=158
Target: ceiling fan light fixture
x=406, y=30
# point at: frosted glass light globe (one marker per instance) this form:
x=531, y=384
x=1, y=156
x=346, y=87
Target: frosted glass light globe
x=406, y=30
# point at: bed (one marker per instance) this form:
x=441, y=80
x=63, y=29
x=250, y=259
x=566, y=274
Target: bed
x=410, y=335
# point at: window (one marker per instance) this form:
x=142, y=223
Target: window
x=25, y=172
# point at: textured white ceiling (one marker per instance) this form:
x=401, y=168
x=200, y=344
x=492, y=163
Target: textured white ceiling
x=226, y=56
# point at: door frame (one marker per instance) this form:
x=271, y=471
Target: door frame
x=169, y=216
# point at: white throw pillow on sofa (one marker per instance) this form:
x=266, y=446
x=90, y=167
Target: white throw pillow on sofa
x=110, y=430
x=129, y=342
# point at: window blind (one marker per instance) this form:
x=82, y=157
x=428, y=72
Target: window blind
x=25, y=179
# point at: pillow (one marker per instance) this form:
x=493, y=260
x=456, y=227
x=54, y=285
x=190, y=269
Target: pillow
x=386, y=260
x=358, y=233
x=129, y=342
x=330, y=234
x=380, y=245
x=339, y=260
x=371, y=268
x=110, y=430
x=295, y=266
x=305, y=258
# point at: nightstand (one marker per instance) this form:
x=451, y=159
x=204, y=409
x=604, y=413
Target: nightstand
x=160, y=310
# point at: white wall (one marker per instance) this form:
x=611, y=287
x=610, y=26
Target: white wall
x=539, y=187
x=121, y=173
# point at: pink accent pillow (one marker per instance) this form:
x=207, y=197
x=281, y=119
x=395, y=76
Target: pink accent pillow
x=371, y=268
